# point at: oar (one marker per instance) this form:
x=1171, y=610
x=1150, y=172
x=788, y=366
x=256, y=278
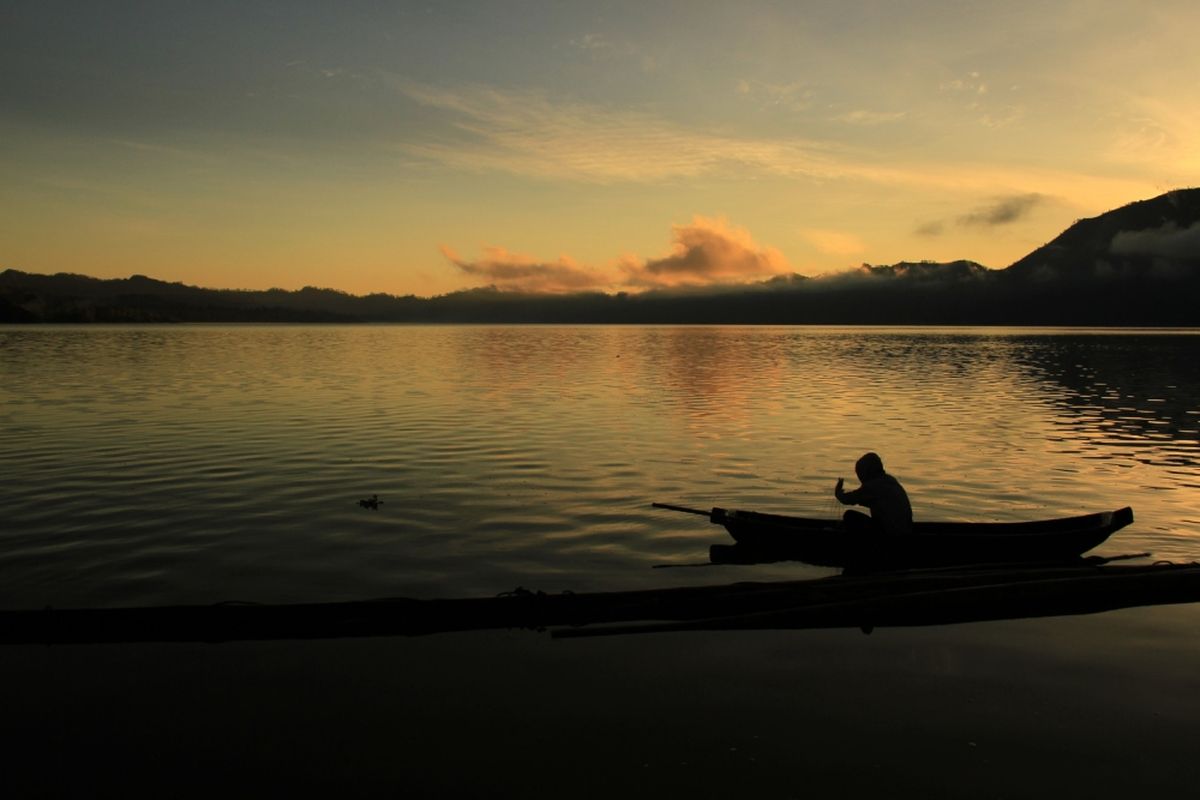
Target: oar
x=684, y=509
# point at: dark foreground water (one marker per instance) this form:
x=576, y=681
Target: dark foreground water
x=199, y=464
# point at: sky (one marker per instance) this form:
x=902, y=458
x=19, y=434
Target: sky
x=416, y=148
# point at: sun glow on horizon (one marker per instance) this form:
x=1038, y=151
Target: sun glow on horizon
x=809, y=141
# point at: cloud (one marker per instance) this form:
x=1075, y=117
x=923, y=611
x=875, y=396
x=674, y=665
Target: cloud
x=924, y=275
x=1002, y=212
x=529, y=134
x=1165, y=242
x=517, y=272
x=974, y=95
x=704, y=252
x=525, y=133
x=1153, y=132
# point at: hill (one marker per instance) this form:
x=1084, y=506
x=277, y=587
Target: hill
x=1136, y=265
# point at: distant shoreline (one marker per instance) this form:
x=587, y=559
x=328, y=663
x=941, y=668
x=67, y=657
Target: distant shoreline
x=1137, y=266
x=990, y=328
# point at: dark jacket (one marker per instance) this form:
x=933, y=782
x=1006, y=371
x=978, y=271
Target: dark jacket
x=888, y=502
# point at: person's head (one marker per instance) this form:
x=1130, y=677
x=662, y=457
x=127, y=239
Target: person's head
x=868, y=467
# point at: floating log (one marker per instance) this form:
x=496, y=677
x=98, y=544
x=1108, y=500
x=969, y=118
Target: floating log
x=914, y=597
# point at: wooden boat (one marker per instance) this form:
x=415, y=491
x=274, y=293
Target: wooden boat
x=822, y=542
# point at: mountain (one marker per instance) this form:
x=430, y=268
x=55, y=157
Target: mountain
x=1135, y=265
x=1134, y=240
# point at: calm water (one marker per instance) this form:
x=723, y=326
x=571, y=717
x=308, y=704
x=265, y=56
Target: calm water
x=150, y=465
x=196, y=464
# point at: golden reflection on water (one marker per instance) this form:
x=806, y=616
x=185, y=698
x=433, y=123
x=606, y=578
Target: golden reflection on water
x=206, y=462
x=203, y=463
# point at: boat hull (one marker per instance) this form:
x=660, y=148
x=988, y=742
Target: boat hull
x=770, y=537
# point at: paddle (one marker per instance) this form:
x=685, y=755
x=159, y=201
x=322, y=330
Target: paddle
x=684, y=509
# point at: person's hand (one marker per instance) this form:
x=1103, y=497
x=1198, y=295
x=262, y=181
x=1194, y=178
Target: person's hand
x=838, y=488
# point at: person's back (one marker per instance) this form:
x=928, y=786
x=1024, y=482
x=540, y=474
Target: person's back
x=889, y=504
x=891, y=512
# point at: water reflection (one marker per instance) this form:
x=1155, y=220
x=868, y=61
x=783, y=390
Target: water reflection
x=888, y=599
x=200, y=463
x=1115, y=398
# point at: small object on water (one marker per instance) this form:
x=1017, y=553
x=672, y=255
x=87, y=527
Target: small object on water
x=373, y=502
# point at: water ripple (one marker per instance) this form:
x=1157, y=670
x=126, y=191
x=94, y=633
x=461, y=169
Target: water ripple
x=201, y=463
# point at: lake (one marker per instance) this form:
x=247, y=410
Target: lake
x=208, y=463
x=199, y=464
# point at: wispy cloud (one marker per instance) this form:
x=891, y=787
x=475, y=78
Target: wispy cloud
x=1002, y=116
x=524, y=132
x=704, y=252
x=1000, y=211
x=971, y=84
x=529, y=134
x=1004, y=211
x=987, y=108
x=1150, y=132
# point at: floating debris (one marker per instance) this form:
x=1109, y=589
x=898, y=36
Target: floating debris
x=373, y=502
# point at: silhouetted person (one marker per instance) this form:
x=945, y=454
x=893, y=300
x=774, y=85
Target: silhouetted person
x=891, y=513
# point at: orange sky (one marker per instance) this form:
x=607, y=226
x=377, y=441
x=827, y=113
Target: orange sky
x=553, y=146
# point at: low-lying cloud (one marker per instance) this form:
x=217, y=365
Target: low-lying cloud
x=1169, y=241
x=514, y=271
x=705, y=252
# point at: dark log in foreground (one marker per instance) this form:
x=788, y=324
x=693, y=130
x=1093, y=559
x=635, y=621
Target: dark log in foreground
x=1087, y=591
x=927, y=597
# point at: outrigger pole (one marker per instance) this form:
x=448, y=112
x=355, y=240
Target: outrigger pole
x=684, y=509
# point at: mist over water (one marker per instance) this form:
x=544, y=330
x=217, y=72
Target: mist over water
x=147, y=465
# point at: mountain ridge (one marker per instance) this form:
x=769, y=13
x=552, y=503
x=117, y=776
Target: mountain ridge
x=1135, y=265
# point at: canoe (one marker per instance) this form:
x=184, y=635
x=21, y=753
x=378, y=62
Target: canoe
x=823, y=542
